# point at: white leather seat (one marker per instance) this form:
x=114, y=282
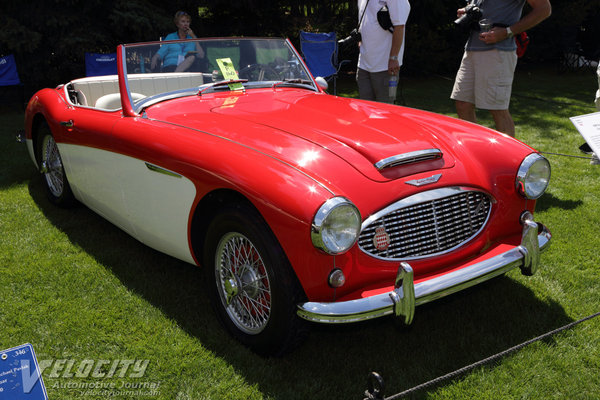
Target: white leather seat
x=112, y=101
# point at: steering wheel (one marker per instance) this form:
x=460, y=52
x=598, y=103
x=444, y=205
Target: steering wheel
x=259, y=72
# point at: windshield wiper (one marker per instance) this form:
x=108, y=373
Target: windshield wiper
x=213, y=85
x=295, y=82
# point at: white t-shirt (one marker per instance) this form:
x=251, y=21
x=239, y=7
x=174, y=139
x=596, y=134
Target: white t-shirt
x=377, y=42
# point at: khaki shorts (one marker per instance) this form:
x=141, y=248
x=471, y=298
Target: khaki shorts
x=485, y=79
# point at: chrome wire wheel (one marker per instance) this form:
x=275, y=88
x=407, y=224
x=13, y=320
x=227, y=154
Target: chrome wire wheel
x=51, y=166
x=243, y=283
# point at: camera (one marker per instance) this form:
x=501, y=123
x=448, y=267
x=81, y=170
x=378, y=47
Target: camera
x=353, y=38
x=471, y=17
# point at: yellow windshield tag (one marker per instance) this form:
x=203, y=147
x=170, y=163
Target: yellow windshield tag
x=228, y=71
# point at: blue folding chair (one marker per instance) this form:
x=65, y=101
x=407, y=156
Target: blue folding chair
x=11, y=89
x=97, y=64
x=8, y=71
x=320, y=52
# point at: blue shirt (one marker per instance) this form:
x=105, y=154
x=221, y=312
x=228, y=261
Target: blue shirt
x=170, y=53
x=499, y=12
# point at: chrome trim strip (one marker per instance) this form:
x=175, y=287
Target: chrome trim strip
x=525, y=256
x=160, y=170
x=409, y=158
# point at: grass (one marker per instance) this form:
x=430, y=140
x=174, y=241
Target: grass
x=79, y=289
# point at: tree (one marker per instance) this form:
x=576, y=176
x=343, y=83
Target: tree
x=49, y=37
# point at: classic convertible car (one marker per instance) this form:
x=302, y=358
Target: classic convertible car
x=302, y=206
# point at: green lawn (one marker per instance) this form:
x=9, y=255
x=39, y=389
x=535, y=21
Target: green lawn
x=84, y=293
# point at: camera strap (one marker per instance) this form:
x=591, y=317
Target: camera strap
x=362, y=16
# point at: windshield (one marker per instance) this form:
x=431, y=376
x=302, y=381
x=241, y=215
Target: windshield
x=161, y=70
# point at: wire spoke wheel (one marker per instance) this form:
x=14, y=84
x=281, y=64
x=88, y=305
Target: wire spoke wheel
x=243, y=283
x=252, y=286
x=52, y=167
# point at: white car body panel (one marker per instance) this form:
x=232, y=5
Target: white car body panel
x=152, y=207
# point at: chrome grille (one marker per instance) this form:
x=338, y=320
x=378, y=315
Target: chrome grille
x=427, y=224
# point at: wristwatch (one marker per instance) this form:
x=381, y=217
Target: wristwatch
x=394, y=58
x=509, y=33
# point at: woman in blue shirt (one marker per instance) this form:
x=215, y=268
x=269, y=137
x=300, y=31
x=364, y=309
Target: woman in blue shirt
x=179, y=56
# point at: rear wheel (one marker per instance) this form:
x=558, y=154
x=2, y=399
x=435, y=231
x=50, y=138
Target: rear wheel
x=51, y=166
x=252, y=286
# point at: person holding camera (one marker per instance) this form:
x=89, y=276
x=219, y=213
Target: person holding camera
x=381, y=26
x=484, y=79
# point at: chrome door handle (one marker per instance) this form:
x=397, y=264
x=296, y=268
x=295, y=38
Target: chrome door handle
x=67, y=124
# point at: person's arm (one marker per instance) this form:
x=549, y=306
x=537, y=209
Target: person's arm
x=155, y=59
x=199, y=50
x=540, y=10
x=397, y=38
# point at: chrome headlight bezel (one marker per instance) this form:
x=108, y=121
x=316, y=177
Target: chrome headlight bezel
x=533, y=176
x=336, y=226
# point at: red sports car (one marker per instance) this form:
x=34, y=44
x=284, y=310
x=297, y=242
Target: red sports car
x=301, y=205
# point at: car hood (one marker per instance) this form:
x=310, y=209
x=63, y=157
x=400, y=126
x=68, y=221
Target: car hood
x=292, y=124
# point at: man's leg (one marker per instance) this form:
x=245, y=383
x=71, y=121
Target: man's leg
x=380, y=82
x=365, y=88
x=463, y=90
x=466, y=110
x=504, y=121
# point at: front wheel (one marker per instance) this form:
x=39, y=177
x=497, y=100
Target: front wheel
x=252, y=286
x=51, y=166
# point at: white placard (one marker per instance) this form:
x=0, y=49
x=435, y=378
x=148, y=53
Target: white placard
x=589, y=127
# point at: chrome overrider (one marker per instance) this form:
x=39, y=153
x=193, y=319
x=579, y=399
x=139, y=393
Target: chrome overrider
x=406, y=295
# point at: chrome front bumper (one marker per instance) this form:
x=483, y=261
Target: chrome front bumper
x=405, y=296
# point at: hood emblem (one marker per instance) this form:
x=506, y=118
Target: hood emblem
x=381, y=240
x=425, y=181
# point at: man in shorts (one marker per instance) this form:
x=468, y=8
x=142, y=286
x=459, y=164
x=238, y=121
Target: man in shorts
x=484, y=79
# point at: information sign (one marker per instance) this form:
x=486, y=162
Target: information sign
x=20, y=377
x=589, y=127
x=229, y=73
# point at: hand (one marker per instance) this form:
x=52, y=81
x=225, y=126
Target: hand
x=393, y=67
x=460, y=12
x=494, y=36
x=191, y=33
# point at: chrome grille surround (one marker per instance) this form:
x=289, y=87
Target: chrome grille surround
x=428, y=224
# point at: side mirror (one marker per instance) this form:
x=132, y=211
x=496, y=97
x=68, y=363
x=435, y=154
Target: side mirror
x=322, y=82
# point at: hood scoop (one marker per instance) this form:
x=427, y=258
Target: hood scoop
x=412, y=157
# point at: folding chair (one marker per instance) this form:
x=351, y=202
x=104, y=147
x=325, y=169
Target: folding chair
x=577, y=50
x=11, y=89
x=320, y=52
x=97, y=64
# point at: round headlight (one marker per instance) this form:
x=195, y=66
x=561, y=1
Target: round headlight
x=336, y=226
x=533, y=176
